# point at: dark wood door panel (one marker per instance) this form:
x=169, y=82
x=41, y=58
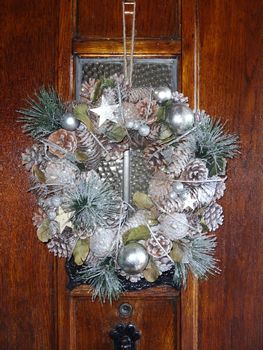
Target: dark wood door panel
x=28, y=309
x=103, y=19
x=155, y=314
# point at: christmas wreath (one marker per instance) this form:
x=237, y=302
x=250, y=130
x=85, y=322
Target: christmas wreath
x=127, y=182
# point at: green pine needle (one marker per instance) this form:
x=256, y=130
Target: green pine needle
x=213, y=144
x=94, y=203
x=103, y=279
x=42, y=117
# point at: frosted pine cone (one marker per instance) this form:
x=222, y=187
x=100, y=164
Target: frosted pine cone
x=160, y=188
x=62, y=245
x=160, y=248
x=60, y=172
x=38, y=217
x=220, y=189
x=154, y=158
x=136, y=94
x=87, y=90
x=163, y=264
x=65, y=140
x=172, y=205
x=82, y=234
x=196, y=171
x=181, y=156
x=213, y=216
x=89, y=146
x=180, y=98
x=204, y=193
x=146, y=107
x=33, y=156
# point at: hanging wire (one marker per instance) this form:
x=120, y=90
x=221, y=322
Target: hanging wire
x=128, y=9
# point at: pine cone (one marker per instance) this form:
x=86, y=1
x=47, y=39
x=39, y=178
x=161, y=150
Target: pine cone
x=163, y=264
x=196, y=170
x=181, y=156
x=158, y=250
x=154, y=158
x=82, y=234
x=33, y=156
x=87, y=90
x=220, y=189
x=154, y=131
x=60, y=172
x=173, y=205
x=62, y=245
x=146, y=107
x=38, y=217
x=89, y=146
x=64, y=139
x=213, y=216
x=136, y=94
x=180, y=98
x=204, y=193
x=160, y=188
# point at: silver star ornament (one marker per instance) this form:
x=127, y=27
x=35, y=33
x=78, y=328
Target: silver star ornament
x=106, y=112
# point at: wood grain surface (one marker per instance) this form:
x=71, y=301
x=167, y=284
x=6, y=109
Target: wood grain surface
x=27, y=299
x=103, y=19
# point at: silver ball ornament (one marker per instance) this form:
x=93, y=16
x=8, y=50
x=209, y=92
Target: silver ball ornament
x=136, y=125
x=173, y=195
x=178, y=187
x=162, y=94
x=130, y=124
x=55, y=201
x=144, y=130
x=180, y=118
x=133, y=258
x=69, y=122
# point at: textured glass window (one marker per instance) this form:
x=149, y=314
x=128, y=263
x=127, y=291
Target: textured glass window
x=146, y=73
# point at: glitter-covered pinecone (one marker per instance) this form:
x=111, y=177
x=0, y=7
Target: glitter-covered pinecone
x=181, y=156
x=153, y=157
x=172, y=205
x=87, y=90
x=204, y=193
x=90, y=150
x=62, y=245
x=137, y=94
x=220, y=189
x=33, y=156
x=60, y=172
x=195, y=171
x=160, y=248
x=178, y=97
x=213, y=216
x=38, y=217
x=65, y=140
x=160, y=187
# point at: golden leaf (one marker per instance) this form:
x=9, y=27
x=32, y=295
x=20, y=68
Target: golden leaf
x=81, y=156
x=38, y=174
x=177, y=252
x=151, y=273
x=81, y=251
x=136, y=234
x=43, y=232
x=142, y=200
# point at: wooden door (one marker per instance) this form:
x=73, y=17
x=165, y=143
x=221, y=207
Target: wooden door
x=219, y=44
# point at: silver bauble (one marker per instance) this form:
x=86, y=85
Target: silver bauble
x=69, y=122
x=162, y=94
x=133, y=258
x=129, y=124
x=144, y=130
x=136, y=125
x=178, y=187
x=180, y=118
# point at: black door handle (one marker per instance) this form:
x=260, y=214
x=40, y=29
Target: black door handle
x=125, y=337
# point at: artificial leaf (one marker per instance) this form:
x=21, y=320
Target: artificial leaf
x=177, y=252
x=81, y=156
x=151, y=273
x=165, y=132
x=38, y=174
x=64, y=219
x=136, y=234
x=116, y=133
x=161, y=114
x=142, y=200
x=97, y=92
x=81, y=251
x=81, y=113
x=43, y=232
x=217, y=167
x=204, y=225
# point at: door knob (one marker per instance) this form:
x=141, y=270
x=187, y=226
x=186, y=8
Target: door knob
x=125, y=337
